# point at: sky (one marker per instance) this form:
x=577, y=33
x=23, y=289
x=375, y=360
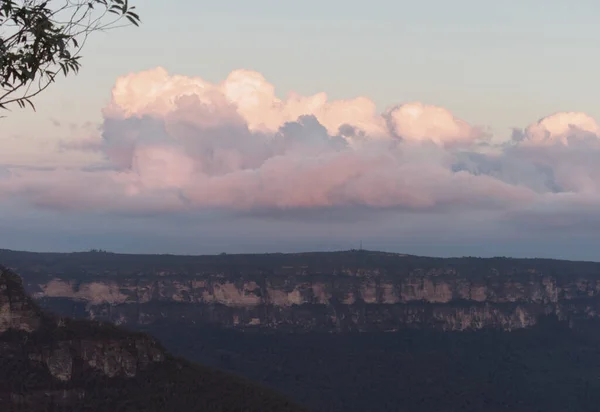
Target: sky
x=461, y=128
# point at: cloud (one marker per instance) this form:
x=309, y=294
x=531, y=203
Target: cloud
x=177, y=144
x=421, y=122
x=563, y=128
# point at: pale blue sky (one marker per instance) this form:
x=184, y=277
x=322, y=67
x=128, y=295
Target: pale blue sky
x=497, y=64
x=494, y=64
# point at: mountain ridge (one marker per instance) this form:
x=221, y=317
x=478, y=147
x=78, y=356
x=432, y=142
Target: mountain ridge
x=338, y=291
x=305, y=253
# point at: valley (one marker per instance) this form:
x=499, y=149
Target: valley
x=353, y=331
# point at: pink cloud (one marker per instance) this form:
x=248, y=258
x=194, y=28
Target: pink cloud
x=174, y=143
x=155, y=92
x=421, y=122
x=560, y=128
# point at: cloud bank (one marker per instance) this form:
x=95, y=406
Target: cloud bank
x=170, y=144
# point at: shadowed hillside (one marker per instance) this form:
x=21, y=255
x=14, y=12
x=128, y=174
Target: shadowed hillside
x=49, y=363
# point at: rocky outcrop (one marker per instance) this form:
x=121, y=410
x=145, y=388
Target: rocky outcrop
x=61, y=345
x=17, y=310
x=52, y=363
x=59, y=351
x=111, y=358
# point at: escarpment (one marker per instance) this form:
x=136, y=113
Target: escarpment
x=356, y=290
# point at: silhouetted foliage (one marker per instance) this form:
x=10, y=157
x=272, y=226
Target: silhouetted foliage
x=41, y=38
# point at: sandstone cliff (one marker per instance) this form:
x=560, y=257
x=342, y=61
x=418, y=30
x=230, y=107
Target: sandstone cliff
x=17, y=310
x=356, y=290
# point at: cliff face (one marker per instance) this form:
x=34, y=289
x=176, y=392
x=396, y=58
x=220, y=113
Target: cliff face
x=108, y=357
x=51, y=363
x=65, y=371
x=336, y=292
x=17, y=310
x=343, y=303
x=62, y=347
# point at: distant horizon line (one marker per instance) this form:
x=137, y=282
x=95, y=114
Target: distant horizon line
x=399, y=254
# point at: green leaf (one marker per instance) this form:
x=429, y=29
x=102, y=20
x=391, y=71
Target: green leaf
x=132, y=20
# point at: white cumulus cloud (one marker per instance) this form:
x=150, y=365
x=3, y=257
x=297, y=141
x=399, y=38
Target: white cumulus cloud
x=175, y=143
